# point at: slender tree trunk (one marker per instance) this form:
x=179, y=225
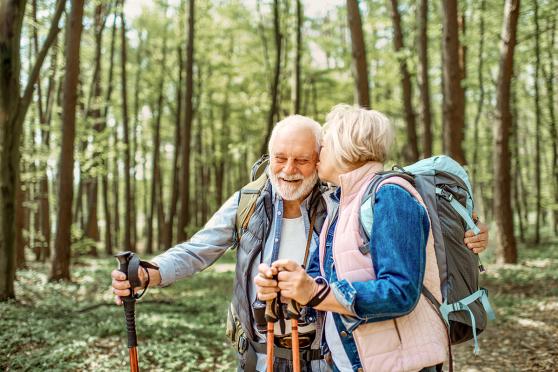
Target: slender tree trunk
x=517, y=182
x=454, y=94
x=20, y=216
x=105, y=181
x=480, y=104
x=137, y=88
x=156, y=166
x=506, y=244
x=127, y=161
x=360, y=66
x=184, y=216
x=92, y=225
x=277, y=73
x=538, y=115
x=411, y=149
x=62, y=247
x=295, y=90
x=549, y=78
x=169, y=225
x=424, y=80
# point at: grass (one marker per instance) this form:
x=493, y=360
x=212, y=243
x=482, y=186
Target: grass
x=182, y=327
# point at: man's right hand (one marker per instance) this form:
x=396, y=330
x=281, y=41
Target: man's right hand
x=266, y=286
x=121, y=286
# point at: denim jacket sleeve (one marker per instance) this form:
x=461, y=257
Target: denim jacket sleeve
x=398, y=248
x=204, y=248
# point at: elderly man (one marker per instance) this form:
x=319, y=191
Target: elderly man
x=288, y=216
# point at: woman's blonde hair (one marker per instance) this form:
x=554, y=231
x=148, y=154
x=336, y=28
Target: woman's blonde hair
x=358, y=135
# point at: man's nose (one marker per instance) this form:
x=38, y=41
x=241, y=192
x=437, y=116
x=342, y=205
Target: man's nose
x=290, y=167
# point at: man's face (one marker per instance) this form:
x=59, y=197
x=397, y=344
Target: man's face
x=293, y=163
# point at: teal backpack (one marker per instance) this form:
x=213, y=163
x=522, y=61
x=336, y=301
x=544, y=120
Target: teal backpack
x=444, y=186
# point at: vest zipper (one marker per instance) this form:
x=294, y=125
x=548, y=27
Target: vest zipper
x=397, y=329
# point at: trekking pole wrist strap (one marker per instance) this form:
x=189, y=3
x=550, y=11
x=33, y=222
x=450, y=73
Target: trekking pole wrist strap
x=322, y=293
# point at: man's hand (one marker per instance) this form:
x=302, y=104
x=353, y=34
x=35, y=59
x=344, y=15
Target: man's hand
x=294, y=282
x=266, y=286
x=121, y=286
x=477, y=243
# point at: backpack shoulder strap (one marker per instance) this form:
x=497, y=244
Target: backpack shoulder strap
x=247, y=203
x=368, y=200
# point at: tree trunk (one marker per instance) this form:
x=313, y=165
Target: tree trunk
x=156, y=166
x=127, y=161
x=13, y=108
x=184, y=216
x=506, y=244
x=549, y=80
x=411, y=148
x=454, y=94
x=274, y=93
x=92, y=225
x=480, y=104
x=62, y=246
x=105, y=181
x=295, y=90
x=359, y=66
x=20, y=217
x=424, y=80
x=169, y=225
x=538, y=115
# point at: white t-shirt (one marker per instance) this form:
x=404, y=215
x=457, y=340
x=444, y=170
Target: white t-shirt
x=293, y=247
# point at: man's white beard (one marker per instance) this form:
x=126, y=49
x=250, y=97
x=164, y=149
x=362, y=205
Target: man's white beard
x=289, y=191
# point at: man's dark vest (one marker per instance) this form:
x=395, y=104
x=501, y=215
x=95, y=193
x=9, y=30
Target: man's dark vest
x=250, y=246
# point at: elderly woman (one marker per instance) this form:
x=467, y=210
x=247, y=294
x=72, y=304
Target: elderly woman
x=376, y=318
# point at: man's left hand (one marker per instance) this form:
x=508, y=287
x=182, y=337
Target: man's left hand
x=477, y=243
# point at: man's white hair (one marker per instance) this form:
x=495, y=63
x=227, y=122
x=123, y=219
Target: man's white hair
x=296, y=121
x=358, y=135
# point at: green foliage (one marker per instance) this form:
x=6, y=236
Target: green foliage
x=179, y=328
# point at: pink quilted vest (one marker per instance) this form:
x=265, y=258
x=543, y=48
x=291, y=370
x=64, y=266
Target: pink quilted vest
x=407, y=343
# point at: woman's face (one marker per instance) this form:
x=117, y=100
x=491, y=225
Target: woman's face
x=327, y=167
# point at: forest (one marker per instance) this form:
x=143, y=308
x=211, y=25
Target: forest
x=125, y=124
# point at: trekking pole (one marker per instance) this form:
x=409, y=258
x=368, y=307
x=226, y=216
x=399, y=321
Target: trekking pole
x=293, y=310
x=129, y=264
x=271, y=318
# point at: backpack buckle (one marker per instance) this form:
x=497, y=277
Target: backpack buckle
x=445, y=194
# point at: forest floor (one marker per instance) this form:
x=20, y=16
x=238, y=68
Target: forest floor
x=76, y=326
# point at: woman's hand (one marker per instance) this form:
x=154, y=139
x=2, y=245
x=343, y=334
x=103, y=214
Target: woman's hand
x=266, y=286
x=294, y=283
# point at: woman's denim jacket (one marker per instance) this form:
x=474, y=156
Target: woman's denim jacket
x=398, y=250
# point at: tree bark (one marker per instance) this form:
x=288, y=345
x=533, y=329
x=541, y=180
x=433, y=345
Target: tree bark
x=454, y=94
x=506, y=244
x=480, y=104
x=62, y=247
x=274, y=92
x=169, y=225
x=184, y=216
x=538, y=115
x=105, y=181
x=411, y=148
x=295, y=89
x=549, y=80
x=359, y=66
x=13, y=108
x=127, y=161
x=156, y=167
x=424, y=80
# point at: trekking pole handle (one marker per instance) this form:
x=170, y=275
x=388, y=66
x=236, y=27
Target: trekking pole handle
x=129, y=301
